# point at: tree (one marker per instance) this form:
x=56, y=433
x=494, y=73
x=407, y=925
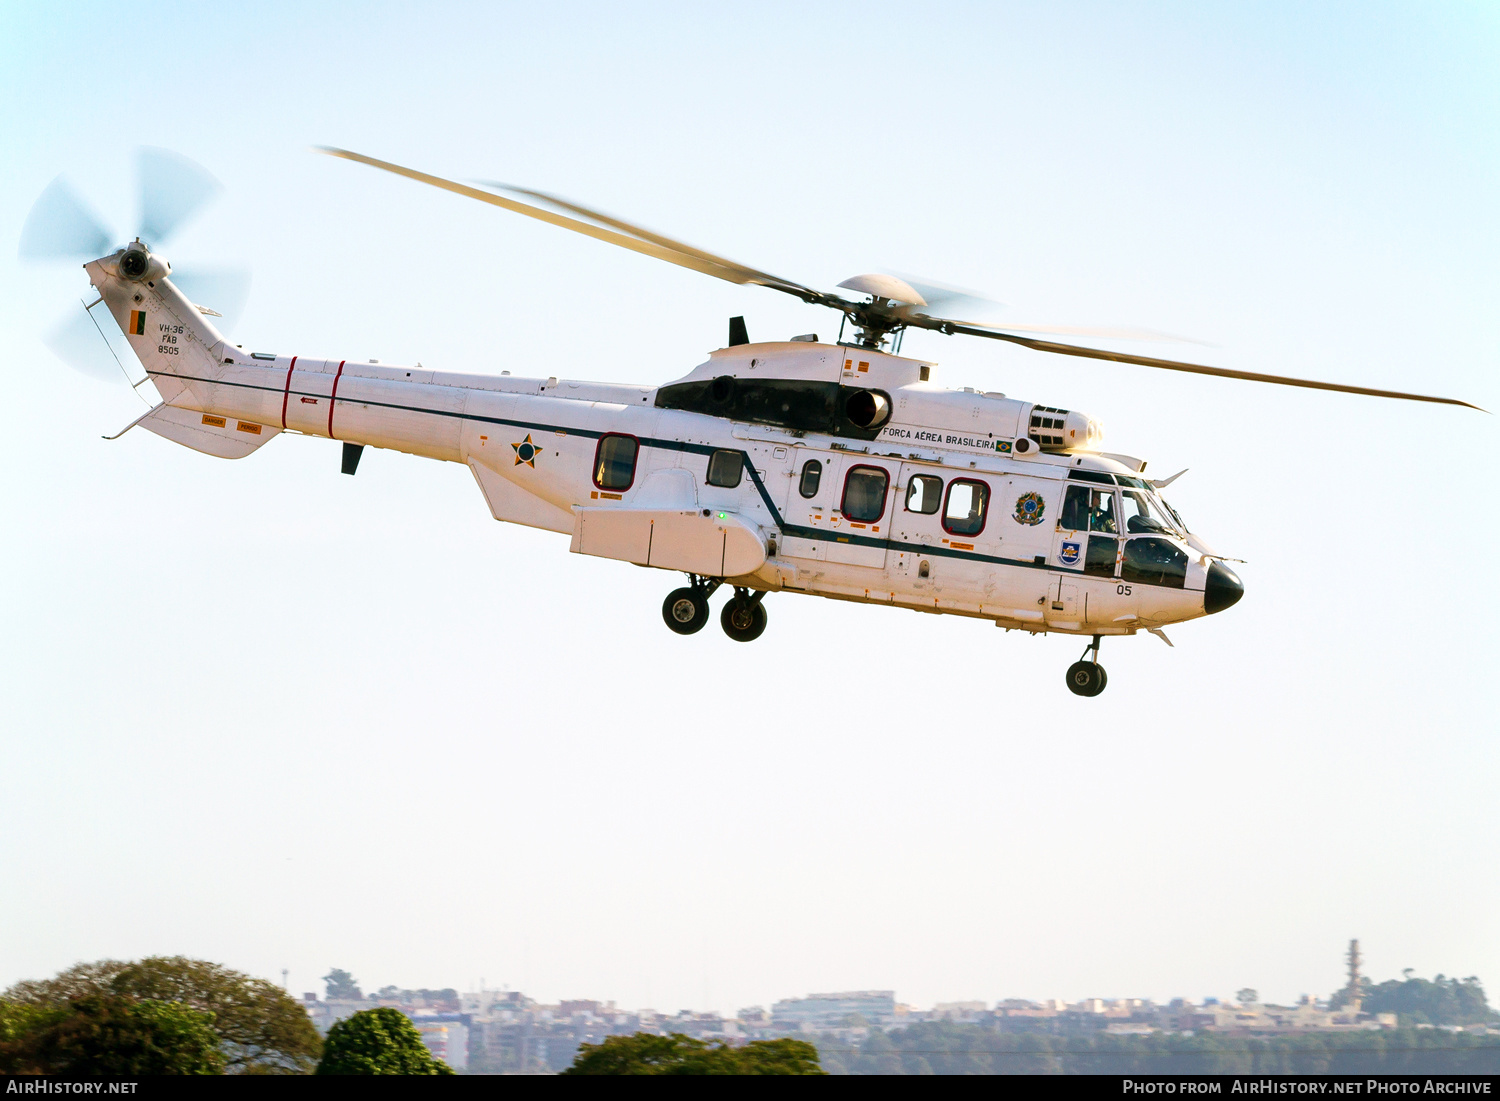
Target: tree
x=378, y=1041
x=1443, y=1001
x=647, y=1053
x=114, y=1035
x=261, y=1029
x=339, y=984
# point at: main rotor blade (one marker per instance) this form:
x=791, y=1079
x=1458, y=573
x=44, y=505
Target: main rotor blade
x=947, y=298
x=173, y=189
x=60, y=227
x=759, y=278
x=959, y=327
x=635, y=238
x=1098, y=332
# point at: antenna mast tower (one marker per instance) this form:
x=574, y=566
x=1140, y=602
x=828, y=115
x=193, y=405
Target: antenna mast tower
x=1354, y=991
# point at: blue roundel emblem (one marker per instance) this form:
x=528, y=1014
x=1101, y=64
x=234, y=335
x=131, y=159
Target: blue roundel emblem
x=1029, y=508
x=1069, y=554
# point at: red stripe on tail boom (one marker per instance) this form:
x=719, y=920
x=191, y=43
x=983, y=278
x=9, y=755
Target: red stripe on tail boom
x=288, y=391
x=334, y=397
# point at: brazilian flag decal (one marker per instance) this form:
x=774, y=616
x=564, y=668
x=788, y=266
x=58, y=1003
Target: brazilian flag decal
x=137, y=322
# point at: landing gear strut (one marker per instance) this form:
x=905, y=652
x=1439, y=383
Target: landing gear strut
x=744, y=617
x=1086, y=677
x=686, y=610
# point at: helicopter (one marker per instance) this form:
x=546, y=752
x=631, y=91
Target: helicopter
x=836, y=469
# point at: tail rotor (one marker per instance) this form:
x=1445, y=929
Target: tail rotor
x=61, y=227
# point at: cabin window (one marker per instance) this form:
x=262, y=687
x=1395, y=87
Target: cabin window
x=864, y=493
x=812, y=476
x=725, y=468
x=1143, y=513
x=614, y=462
x=966, y=506
x=923, y=494
x=1100, y=559
x=1155, y=562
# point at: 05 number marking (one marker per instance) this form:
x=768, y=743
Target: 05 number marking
x=1123, y=590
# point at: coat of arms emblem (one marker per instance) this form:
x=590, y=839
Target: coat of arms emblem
x=1029, y=508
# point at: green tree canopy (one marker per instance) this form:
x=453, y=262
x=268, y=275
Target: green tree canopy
x=1442, y=1001
x=339, y=984
x=110, y=1035
x=261, y=1029
x=647, y=1053
x=378, y=1041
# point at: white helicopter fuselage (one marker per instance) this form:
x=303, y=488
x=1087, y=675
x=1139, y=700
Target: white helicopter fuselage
x=748, y=470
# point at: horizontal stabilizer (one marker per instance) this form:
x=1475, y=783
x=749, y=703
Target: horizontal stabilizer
x=222, y=437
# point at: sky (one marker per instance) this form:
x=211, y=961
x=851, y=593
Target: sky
x=261, y=713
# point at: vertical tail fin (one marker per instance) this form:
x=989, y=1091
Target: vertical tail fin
x=175, y=342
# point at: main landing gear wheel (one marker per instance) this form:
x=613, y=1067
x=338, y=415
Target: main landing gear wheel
x=1086, y=677
x=686, y=610
x=744, y=617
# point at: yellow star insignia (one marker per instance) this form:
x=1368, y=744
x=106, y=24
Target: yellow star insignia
x=526, y=452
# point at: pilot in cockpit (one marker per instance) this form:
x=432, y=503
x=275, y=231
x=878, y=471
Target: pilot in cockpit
x=1102, y=511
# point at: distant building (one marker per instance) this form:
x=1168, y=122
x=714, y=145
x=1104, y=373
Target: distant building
x=446, y=1036
x=957, y=1011
x=819, y=1012
x=324, y=1014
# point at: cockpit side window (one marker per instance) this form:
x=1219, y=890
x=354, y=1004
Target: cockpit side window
x=923, y=494
x=1075, y=510
x=1088, y=509
x=1100, y=559
x=812, y=476
x=1154, y=561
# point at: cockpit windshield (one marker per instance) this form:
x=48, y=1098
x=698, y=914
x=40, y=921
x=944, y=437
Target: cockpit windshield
x=1145, y=513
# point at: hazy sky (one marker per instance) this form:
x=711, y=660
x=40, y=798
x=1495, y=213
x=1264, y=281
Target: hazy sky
x=268, y=715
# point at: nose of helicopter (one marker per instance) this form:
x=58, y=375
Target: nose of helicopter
x=1222, y=589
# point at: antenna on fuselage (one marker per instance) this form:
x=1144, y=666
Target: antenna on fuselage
x=738, y=334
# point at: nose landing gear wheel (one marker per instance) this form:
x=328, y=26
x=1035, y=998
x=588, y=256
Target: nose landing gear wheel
x=744, y=617
x=1086, y=678
x=685, y=610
